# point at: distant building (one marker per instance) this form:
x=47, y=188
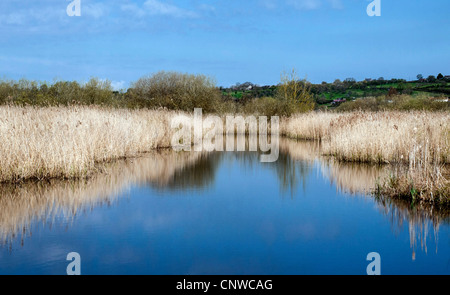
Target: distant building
x=337, y=102
x=440, y=99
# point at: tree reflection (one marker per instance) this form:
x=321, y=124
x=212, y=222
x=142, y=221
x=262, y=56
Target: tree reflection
x=198, y=175
x=23, y=204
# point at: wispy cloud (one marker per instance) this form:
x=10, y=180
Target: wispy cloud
x=154, y=7
x=95, y=10
x=51, y=17
x=31, y=61
x=133, y=9
x=13, y=19
x=269, y=4
x=305, y=4
x=47, y=16
x=336, y=4
x=30, y=16
x=118, y=85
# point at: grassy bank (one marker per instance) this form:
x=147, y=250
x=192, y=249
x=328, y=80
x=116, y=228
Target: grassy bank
x=416, y=144
x=376, y=137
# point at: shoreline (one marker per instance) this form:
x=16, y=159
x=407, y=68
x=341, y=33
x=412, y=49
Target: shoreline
x=69, y=143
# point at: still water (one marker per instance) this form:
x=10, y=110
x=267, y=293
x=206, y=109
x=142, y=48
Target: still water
x=220, y=213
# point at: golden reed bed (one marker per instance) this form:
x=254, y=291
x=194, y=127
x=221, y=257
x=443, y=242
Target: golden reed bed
x=382, y=137
x=416, y=142
x=69, y=142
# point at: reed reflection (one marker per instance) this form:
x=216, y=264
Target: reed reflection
x=422, y=220
x=23, y=204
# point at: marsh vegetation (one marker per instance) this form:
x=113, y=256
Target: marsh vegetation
x=67, y=130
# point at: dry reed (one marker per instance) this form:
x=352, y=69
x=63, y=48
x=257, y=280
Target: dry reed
x=418, y=140
x=382, y=137
x=69, y=142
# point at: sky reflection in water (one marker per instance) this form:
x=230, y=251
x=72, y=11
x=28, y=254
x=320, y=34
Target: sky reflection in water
x=219, y=213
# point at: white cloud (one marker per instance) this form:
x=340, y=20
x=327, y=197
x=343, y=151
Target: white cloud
x=336, y=4
x=13, y=19
x=95, y=10
x=305, y=4
x=133, y=9
x=118, y=85
x=269, y=4
x=154, y=7
x=31, y=16
x=207, y=7
x=32, y=61
x=115, y=85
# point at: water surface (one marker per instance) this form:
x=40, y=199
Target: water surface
x=220, y=213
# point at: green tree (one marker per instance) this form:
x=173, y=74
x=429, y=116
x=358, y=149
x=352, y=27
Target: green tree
x=401, y=87
x=294, y=94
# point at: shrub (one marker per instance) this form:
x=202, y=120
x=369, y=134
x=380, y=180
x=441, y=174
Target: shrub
x=177, y=91
x=265, y=106
x=25, y=92
x=293, y=95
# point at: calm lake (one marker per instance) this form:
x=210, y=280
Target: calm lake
x=220, y=213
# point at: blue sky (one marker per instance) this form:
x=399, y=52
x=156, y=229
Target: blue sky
x=232, y=41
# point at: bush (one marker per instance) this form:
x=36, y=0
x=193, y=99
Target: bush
x=98, y=92
x=25, y=92
x=294, y=95
x=176, y=91
x=367, y=104
x=265, y=106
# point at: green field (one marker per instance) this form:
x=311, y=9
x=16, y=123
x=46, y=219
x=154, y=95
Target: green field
x=326, y=93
